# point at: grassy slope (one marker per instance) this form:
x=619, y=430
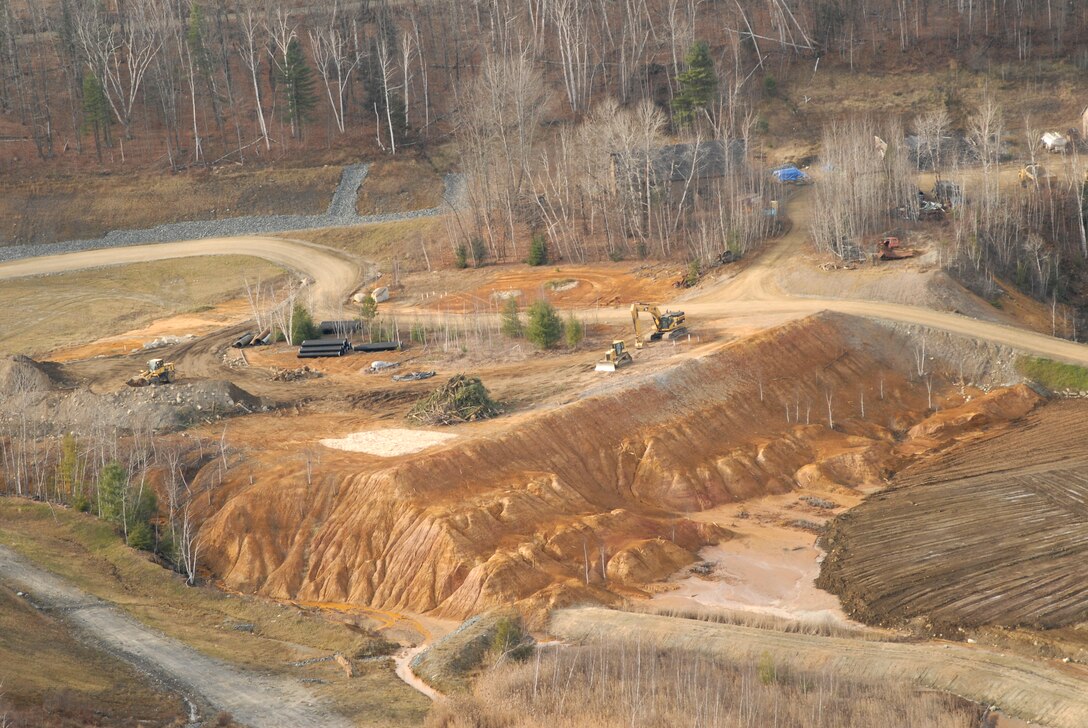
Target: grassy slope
x=48, y=209
x=1054, y=375
x=85, y=551
x=72, y=308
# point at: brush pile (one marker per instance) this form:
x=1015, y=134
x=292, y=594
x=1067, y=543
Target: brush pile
x=461, y=399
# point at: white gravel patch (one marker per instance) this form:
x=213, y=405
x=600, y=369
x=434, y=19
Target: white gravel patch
x=388, y=443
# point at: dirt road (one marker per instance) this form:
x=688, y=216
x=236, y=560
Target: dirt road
x=254, y=700
x=334, y=274
x=754, y=292
x=1048, y=693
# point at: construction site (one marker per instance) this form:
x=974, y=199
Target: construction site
x=643, y=411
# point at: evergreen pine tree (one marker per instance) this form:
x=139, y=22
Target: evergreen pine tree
x=698, y=84
x=511, y=319
x=96, y=111
x=298, y=87
x=545, y=327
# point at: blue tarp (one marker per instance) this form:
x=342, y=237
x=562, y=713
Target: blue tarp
x=789, y=174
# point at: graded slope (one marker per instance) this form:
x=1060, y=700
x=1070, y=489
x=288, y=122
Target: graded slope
x=992, y=534
x=540, y=507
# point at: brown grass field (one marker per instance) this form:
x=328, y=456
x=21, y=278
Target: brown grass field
x=74, y=308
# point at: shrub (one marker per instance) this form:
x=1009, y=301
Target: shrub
x=574, y=330
x=419, y=333
x=511, y=641
x=302, y=325
x=368, y=309
x=460, y=257
x=479, y=252
x=770, y=86
x=140, y=536
x=545, y=328
x=538, y=251
x=511, y=319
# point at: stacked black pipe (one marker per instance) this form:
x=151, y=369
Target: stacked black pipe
x=314, y=348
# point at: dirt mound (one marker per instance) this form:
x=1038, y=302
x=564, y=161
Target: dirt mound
x=534, y=514
x=448, y=664
x=157, y=407
x=992, y=534
x=22, y=375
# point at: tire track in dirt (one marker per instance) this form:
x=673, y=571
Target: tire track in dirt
x=1048, y=693
x=252, y=699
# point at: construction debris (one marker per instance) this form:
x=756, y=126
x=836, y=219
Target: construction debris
x=461, y=399
x=295, y=375
x=377, y=366
x=412, y=376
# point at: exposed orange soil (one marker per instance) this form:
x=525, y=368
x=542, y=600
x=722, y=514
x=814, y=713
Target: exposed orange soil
x=566, y=286
x=224, y=314
x=525, y=509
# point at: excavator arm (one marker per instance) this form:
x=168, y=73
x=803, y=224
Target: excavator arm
x=670, y=323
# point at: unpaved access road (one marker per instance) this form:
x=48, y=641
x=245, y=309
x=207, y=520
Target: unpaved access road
x=1047, y=693
x=752, y=293
x=254, y=700
x=334, y=274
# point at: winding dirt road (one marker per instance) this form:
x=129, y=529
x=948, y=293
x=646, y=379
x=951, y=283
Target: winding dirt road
x=753, y=292
x=1047, y=693
x=254, y=700
x=333, y=273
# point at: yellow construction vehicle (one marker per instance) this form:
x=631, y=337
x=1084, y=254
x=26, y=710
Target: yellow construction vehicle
x=157, y=372
x=668, y=325
x=1033, y=174
x=615, y=357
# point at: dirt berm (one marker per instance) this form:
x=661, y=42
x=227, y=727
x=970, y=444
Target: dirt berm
x=533, y=508
x=31, y=395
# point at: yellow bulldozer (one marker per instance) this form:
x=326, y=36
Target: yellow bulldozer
x=157, y=372
x=668, y=325
x=615, y=357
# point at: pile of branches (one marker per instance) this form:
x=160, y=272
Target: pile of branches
x=461, y=399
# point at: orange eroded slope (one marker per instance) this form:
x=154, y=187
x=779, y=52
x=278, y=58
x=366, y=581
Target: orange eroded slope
x=533, y=513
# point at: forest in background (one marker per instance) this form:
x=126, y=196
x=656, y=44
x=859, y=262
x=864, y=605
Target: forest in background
x=552, y=108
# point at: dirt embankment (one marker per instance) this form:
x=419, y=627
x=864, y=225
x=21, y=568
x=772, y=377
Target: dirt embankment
x=34, y=394
x=995, y=534
x=581, y=502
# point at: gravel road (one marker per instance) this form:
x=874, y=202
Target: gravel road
x=1045, y=692
x=341, y=213
x=254, y=700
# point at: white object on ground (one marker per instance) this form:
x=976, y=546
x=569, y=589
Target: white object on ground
x=388, y=443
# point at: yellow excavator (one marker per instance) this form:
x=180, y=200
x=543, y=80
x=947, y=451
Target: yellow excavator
x=614, y=357
x=668, y=325
x=157, y=372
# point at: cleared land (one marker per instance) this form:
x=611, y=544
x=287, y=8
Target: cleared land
x=1052, y=694
x=86, y=305
x=396, y=184
x=995, y=534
